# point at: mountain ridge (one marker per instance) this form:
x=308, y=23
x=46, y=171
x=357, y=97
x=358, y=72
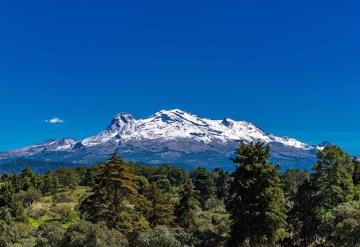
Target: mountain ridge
x=168, y=136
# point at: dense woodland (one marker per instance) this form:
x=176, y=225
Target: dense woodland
x=120, y=203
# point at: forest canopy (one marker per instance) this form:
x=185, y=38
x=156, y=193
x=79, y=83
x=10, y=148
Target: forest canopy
x=120, y=203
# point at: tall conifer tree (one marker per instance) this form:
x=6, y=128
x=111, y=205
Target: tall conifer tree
x=114, y=197
x=256, y=204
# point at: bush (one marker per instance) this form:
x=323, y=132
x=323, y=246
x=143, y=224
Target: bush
x=61, y=209
x=62, y=198
x=49, y=235
x=8, y=234
x=37, y=213
x=29, y=197
x=71, y=218
x=159, y=236
x=93, y=235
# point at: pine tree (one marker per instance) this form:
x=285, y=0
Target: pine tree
x=114, y=197
x=204, y=184
x=9, y=202
x=222, y=183
x=257, y=204
x=28, y=179
x=160, y=206
x=333, y=184
x=333, y=177
x=89, y=177
x=303, y=218
x=51, y=184
x=356, y=173
x=187, y=207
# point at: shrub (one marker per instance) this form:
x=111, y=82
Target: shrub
x=93, y=235
x=159, y=236
x=37, y=213
x=8, y=234
x=61, y=209
x=62, y=198
x=49, y=235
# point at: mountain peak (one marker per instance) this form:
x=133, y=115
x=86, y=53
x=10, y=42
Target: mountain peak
x=120, y=120
x=167, y=136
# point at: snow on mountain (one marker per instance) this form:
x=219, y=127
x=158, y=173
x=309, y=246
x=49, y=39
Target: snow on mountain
x=177, y=124
x=47, y=146
x=169, y=136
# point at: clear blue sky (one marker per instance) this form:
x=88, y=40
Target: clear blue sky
x=291, y=67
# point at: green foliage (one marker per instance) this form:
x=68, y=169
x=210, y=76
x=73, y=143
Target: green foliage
x=51, y=184
x=213, y=227
x=292, y=179
x=187, y=207
x=176, y=176
x=333, y=177
x=257, y=204
x=9, y=203
x=356, y=173
x=127, y=204
x=62, y=198
x=222, y=181
x=89, y=177
x=50, y=235
x=114, y=198
x=92, y=235
x=159, y=206
x=159, y=236
x=68, y=177
x=333, y=182
x=29, y=179
x=8, y=234
x=29, y=197
x=303, y=219
x=204, y=183
x=347, y=225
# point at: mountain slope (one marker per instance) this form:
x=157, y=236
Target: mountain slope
x=172, y=136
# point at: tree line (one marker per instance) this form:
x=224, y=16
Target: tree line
x=121, y=203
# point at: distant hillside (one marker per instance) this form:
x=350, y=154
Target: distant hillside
x=39, y=166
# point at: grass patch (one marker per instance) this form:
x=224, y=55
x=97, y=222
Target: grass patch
x=35, y=223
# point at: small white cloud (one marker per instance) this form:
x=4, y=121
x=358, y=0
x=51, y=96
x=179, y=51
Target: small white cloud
x=54, y=120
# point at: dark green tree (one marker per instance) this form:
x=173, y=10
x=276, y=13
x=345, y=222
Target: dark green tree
x=204, y=183
x=347, y=225
x=333, y=184
x=175, y=175
x=89, y=177
x=256, y=204
x=114, y=198
x=292, y=179
x=356, y=173
x=187, y=207
x=68, y=178
x=222, y=181
x=9, y=203
x=160, y=206
x=51, y=184
x=332, y=176
x=29, y=179
x=303, y=220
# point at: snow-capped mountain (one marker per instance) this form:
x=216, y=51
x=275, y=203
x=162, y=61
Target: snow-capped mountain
x=172, y=136
x=177, y=124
